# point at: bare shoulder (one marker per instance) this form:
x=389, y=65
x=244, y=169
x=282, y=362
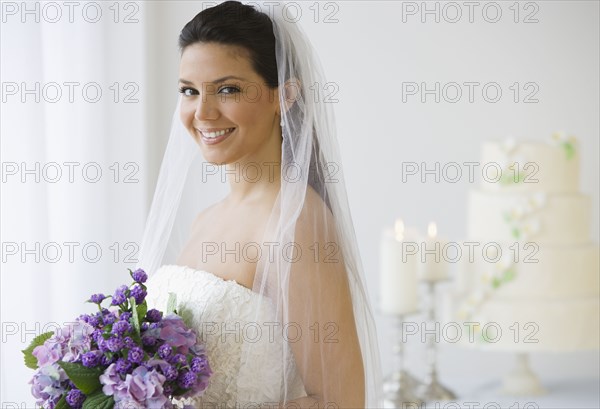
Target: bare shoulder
x=205, y=215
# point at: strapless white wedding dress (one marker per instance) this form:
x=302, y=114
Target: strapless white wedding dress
x=218, y=310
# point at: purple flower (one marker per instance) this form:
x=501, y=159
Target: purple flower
x=173, y=331
x=79, y=342
x=171, y=373
x=91, y=359
x=146, y=387
x=138, y=293
x=136, y=354
x=125, y=316
x=187, y=379
x=164, y=351
x=123, y=366
x=97, y=298
x=75, y=398
x=94, y=321
x=48, y=384
x=120, y=327
x=154, y=315
x=114, y=344
x=200, y=364
x=129, y=342
x=109, y=318
x=113, y=385
x=148, y=341
x=106, y=360
x=120, y=295
x=178, y=359
x=139, y=276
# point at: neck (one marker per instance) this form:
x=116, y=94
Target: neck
x=253, y=179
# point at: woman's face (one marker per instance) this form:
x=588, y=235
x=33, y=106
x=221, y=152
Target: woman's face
x=233, y=119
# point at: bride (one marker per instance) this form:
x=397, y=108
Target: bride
x=270, y=276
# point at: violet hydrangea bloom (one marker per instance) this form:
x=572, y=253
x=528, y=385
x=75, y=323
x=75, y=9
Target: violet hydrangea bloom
x=48, y=385
x=79, y=341
x=146, y=387
x=173, y=330
x=113, y=385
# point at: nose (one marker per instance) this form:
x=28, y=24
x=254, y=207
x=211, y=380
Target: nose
x=206, y=108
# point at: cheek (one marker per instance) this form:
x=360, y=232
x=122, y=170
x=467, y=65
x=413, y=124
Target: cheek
x=186, y=114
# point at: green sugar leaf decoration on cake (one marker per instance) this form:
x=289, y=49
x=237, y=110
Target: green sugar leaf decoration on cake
x=566, y=143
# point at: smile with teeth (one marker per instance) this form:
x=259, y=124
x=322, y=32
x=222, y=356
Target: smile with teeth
x=212, y=135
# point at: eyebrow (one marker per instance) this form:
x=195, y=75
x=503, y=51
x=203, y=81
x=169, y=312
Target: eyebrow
x=217, y=81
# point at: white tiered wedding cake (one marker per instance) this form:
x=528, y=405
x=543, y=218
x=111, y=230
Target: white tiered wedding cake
x=534, y=281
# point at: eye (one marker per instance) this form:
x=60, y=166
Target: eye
x=187, y=91
x=232, y=89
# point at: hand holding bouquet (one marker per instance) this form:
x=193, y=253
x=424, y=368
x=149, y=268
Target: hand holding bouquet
x=126, y=358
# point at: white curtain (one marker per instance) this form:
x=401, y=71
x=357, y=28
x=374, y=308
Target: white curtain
x=54, y=222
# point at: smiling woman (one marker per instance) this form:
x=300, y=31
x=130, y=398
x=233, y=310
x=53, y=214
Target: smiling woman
x=210, y=108
x=270, y=275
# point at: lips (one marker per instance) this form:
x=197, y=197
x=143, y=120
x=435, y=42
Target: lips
x=212, y=136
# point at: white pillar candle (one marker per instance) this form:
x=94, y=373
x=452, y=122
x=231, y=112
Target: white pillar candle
x=433, y=266
x=398, y=283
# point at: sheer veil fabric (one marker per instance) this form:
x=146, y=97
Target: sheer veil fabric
x=307, y=265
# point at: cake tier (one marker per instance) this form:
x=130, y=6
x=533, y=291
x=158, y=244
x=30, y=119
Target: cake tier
x=551, y=325
x=544, y=271
x=540, y=166
x=548, y=218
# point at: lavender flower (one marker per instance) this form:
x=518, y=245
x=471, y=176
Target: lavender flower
x=114, y=344
x=153, y=315
x=187, y=379
x=79, y=341
x=123, y=366
x=138, y=293
x=48, y=384
x=113, y=385
x=146, y=387
x=109, y=318
x=120, y=295
x=91, y=359
x=120, y=327
x=128, y=342
x=148, y=341
x=136, y=354
x=139, y=276
x=200, y=364
x=164, y=351
x=75, y=398
x=171, y=373
x=125, y=316
x=173, y=330
x=97, y=298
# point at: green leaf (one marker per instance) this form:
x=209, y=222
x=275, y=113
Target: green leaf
x=99, y=400
x=62, y=403
x=86, y=379
x=171, y=303
x=142, y=309
x=30, y=360
x=134, y=316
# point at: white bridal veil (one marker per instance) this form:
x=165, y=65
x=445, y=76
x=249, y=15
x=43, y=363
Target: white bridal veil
x=308, y=265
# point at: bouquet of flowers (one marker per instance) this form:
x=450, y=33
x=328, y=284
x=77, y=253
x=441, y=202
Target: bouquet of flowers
x=128, y=357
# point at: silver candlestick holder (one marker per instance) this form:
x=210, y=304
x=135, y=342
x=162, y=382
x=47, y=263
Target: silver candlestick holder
x=399, y=388
x=431, y=389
